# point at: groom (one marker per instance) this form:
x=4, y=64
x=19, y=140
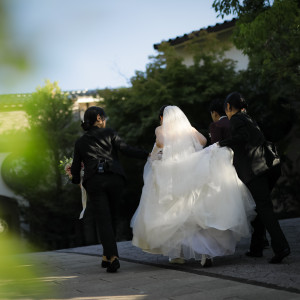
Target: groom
x=220, y=128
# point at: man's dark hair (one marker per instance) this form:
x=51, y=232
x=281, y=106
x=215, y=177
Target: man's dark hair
x=218, y=106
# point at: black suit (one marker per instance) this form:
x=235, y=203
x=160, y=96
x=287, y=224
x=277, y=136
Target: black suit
x=105, y=189
x=219, y=130
x=251, y=165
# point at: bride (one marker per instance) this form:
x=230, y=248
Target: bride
x=192, y=202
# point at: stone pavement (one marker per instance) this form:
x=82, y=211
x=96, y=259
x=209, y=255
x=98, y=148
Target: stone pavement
x=76, y=274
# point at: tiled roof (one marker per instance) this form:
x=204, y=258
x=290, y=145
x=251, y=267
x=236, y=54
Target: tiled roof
x=181, y=39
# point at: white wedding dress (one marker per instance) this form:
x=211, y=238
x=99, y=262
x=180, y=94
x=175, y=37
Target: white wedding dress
x=192, y=201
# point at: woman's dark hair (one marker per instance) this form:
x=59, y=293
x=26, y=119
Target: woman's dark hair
x=161, y=111
x=90, y=117
x=217, y=105
x=236, y=100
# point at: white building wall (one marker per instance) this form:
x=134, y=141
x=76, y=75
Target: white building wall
x=241, y=60
x=233, y=53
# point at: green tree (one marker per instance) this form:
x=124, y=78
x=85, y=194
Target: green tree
x=269, y=34
x=240, y=8
x=33, y=171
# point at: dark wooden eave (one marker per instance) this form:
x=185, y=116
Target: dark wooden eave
x=181, y=39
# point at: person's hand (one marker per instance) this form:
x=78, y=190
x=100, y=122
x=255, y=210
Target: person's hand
x=68, y=171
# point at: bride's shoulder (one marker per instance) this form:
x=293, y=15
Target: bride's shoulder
x=158, y=130
x=159, y=137
x=200, y=137
x=195, y=131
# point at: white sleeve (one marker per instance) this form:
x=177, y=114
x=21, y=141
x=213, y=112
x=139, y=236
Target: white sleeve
x=156, y=153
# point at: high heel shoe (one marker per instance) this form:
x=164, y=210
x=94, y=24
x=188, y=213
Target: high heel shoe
x=113, y=266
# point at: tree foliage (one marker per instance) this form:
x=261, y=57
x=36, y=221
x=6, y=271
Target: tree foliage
x=240, y=8
x=270, y=36
x=272, y=41
x=33, y=170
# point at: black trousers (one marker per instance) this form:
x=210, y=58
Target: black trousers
x=260, y=188
x=104, y=195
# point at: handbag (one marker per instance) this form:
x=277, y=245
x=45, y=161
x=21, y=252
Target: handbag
x=266, y=151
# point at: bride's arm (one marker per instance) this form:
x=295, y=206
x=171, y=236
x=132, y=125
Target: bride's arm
x=158, y=144
x=200, y=137
x=159, y=138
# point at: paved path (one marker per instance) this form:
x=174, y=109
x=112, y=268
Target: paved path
x=237, y=267
x=76, y=274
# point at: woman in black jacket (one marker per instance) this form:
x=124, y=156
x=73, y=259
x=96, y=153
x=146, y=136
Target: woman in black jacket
x=103, y=177
x=253, y=167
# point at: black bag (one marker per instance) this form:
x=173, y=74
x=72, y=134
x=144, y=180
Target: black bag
x=265, y=156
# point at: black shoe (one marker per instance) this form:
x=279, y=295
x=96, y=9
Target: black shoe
x=254, y=253
x=113, y=266
x=279, y=256
x=105, y=263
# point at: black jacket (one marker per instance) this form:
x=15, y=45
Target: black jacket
x=101, y=144
x=247, y=142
